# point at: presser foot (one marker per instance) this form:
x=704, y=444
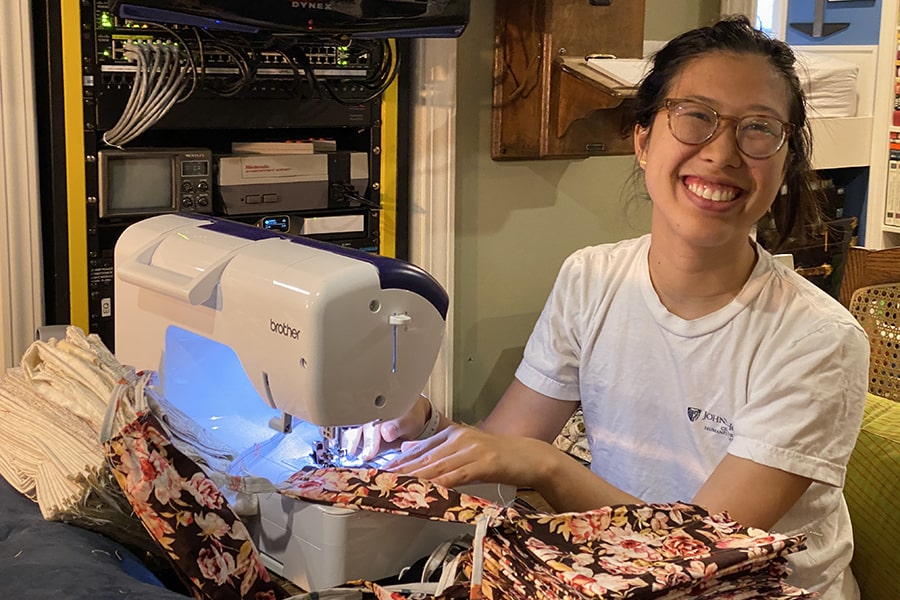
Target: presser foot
x=331, y=451
x=322, y=456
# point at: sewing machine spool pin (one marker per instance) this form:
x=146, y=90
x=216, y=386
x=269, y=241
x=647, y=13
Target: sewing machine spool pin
x=397, y=320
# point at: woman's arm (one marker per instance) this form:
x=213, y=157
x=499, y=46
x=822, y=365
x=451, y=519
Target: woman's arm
x=513, y=446
x=753, y=494
x=524, y=412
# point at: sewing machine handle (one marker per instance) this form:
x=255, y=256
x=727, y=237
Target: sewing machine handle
x=193, y=290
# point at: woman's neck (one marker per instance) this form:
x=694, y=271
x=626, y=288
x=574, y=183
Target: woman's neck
x=693, y=282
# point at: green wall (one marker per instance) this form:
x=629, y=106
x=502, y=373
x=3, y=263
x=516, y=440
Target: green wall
x=517, y=221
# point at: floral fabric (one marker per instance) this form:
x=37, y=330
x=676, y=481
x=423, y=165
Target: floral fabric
x=665, y=551
x=184, y=511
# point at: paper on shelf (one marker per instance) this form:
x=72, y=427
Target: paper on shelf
x=627, y=71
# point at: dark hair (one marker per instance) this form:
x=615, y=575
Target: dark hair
x=795, y=211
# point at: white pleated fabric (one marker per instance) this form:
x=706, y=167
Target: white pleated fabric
x=52, y=408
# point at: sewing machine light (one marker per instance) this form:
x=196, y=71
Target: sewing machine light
x=205, y=380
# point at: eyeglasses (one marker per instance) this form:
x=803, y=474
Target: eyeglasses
x=758, y=136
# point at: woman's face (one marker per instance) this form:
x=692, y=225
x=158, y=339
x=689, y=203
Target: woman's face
x=709, y=195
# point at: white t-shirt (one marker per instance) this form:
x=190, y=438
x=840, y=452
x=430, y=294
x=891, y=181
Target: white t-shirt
x=778, y=376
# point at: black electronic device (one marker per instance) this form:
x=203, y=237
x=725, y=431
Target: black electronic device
x=357, y=18
x=225, y=79
x=353, y=228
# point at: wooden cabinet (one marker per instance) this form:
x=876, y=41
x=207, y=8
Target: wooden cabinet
x=544, y=104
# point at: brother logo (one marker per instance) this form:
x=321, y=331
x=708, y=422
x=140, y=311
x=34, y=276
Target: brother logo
x=284, y=329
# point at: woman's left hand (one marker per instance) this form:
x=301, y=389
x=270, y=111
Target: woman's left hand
x=460, y=455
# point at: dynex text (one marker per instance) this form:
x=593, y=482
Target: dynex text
x=312, y=5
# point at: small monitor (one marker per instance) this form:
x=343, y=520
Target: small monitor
x=139, y=184
x=150, y=181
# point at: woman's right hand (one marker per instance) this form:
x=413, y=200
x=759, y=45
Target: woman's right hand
x=460, y=455
x=373, y=436
x=410, y=425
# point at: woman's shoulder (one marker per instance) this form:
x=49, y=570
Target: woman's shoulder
x=603, y=264
x=805, y=302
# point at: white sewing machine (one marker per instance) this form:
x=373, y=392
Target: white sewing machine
x=248, y=329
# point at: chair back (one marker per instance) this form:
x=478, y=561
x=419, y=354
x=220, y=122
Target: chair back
x=877, y=308
x=870, y=289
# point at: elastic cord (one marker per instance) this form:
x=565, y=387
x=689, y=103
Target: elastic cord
x=434, y=421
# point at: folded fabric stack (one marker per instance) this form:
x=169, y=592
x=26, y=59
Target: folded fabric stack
x=66, y=396
x=53, y=407
x=659, y=551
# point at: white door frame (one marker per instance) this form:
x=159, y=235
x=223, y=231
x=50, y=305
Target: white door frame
x=21, y=280
x=433, y=186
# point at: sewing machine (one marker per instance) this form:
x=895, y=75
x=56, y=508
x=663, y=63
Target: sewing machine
x=277, y=344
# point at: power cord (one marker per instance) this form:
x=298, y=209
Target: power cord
x=347, y=192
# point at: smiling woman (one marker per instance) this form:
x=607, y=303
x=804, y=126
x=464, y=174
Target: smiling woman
x=705, y=369
x=708, y=193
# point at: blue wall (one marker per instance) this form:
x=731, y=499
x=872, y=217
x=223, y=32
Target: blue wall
x=864, y=17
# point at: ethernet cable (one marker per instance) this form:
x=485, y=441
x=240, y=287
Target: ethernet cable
x=133, y=52
x=160, y=82
x=168, y=88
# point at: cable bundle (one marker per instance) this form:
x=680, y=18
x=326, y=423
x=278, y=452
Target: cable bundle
x=231, y=65
x=375, y=83
x=163, y=76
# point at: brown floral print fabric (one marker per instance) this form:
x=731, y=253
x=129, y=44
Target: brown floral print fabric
x=643, y=551
x=184, y=511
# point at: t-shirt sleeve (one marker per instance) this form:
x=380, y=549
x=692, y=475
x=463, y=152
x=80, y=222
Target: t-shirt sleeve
x=551, y=358
x=805, y=403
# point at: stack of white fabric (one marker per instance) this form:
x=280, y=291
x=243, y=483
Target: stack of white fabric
x=829, y=83
x=56, y=410
x=53, y=407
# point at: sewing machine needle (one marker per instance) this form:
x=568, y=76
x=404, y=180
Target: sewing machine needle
x=397, y=320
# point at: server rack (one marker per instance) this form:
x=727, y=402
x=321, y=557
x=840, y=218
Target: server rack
x=84, y=81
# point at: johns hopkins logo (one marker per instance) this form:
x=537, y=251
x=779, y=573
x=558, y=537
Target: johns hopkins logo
x=711, y=422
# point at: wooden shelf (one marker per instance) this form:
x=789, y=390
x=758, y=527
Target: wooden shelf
x=582, y=90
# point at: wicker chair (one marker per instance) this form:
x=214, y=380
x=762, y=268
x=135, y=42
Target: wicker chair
x=870, y=289
x=877, y=308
